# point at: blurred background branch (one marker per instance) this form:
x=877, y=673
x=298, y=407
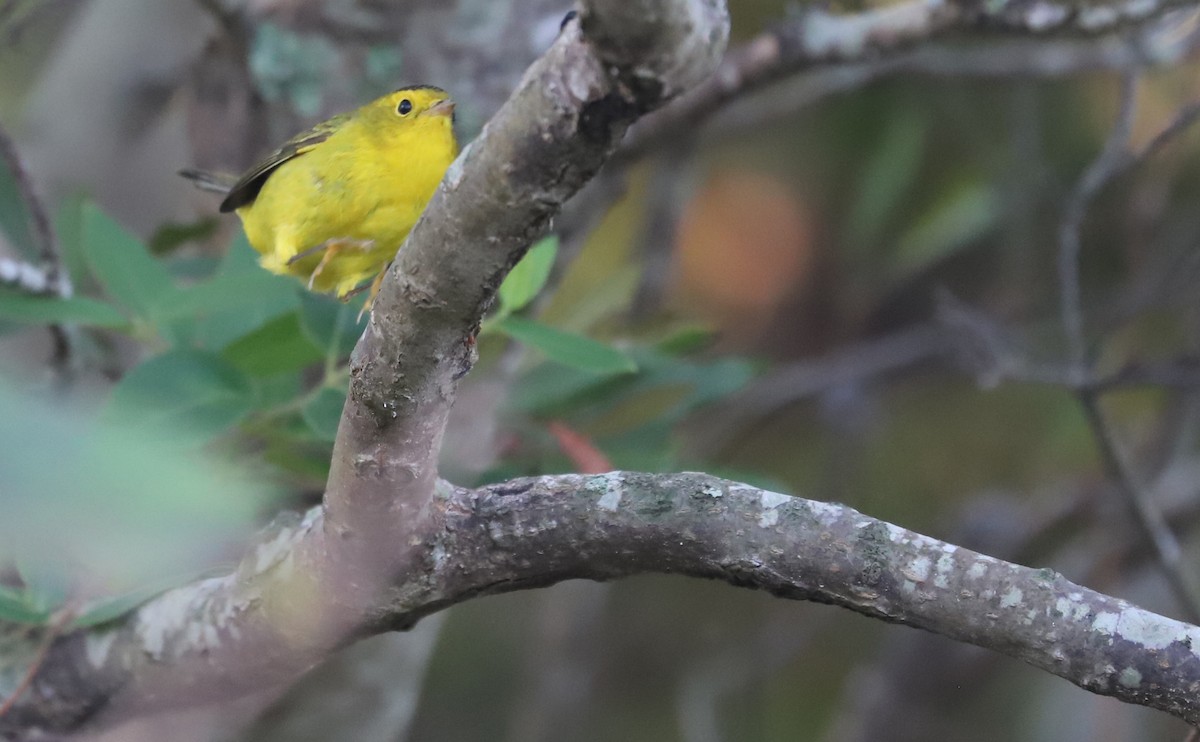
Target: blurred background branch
x=817, y=38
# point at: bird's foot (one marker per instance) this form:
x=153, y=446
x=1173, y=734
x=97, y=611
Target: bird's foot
x=331, y=248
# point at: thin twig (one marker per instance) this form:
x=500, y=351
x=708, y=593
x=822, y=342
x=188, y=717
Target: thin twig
x=860, y=363
x=1187, y=116
x=49, y=277
x=1106, y=165
x=226, y=18
x=39, y=219
x=16, y=27
x=1178, y=374
x=53, y=631
x=672, y=183
x=1146, y=515
x=1114, y=159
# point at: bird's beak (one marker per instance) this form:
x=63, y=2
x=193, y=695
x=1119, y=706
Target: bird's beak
x=443, y=107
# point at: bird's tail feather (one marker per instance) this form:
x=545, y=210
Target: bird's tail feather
x=206, y=181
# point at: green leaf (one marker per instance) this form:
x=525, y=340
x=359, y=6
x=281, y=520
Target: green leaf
x=14, y=217
x=190, y=268
x=173, y=235
x=888, y=176
x=107, y=609
x=556, y=392
x=548, y=389
x=122, y=264
x=17, y=606
x=68, y=225
x=965, y=213
x=324, y=411
x=279, y=390
x=330, y=325
x=279, y=346
x=222, y=293
x=567, y=348
x=195, y=393
x=52, y=310
x=260, y=297
x=687, y=339
x=528, y=276
x=644, y=447
x=103, y=610
x=47, y=585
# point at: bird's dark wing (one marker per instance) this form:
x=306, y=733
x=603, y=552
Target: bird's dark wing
x=246, y=189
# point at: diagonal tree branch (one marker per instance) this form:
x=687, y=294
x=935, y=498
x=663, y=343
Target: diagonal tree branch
x=309, y=587
x=565, y=117
x=51, y=278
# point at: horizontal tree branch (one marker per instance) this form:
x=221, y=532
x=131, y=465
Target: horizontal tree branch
x=535, y=532
x=527, y=533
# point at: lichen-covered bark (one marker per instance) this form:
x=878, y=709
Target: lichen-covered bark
x=208, y=641
x=566, y=116
x=528, y=533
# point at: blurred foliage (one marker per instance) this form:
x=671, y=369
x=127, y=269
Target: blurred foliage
x=95, y=509
x=291, y=67
x=295, y=68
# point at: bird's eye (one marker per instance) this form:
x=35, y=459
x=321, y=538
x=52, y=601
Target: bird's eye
x=405, y=107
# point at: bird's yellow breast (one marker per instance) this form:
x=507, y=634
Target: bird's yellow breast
x=365, y=184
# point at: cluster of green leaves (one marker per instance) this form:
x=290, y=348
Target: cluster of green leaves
x=523, y=284
x=632, y=417
x=630, y=402
x=234, y=348
x=227, y=354
x=963, y=209
x=227, y=344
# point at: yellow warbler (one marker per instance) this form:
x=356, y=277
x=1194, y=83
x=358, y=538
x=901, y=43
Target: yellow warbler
x=333, y=204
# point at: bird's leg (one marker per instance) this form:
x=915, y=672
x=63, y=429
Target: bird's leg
x=332, y=248
x=373, y=292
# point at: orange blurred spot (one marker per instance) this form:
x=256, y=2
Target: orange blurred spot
x=743, y=245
